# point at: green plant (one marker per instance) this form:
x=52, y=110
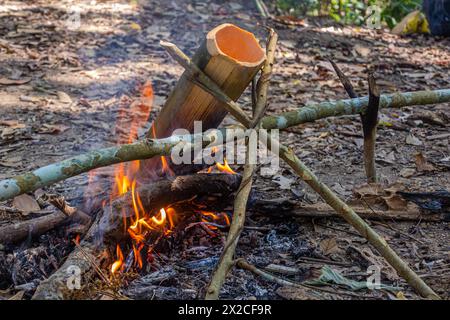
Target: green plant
x=350, y=11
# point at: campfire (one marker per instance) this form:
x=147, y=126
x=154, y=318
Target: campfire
x=149, y=201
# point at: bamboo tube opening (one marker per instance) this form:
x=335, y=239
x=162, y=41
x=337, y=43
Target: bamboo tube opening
x=235, y=43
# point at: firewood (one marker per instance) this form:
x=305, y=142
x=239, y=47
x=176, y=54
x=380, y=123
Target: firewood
x=87, y=255
x=284, y=207
x=162, y=193
x=12, y=233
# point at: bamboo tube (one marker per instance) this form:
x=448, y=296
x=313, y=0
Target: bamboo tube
x=231, y=57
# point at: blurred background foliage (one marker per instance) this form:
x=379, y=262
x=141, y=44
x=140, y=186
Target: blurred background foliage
x=349, y=11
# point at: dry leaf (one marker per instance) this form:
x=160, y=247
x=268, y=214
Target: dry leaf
x=422, y=164
x=407, y=172
x=296, y=293
x=17, y=296
x=329, y=246
x=362, y=51
x=8, y=82
x=412, y=140
x=26, y=204
x=64, y=97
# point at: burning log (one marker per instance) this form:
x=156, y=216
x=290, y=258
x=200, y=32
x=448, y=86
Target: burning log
x=160, y=194
x=109, y=226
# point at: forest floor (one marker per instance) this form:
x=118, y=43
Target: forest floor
x=62, y=86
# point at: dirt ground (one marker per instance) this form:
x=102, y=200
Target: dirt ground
x=62, y=86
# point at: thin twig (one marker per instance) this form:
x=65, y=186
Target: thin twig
x=263, y=82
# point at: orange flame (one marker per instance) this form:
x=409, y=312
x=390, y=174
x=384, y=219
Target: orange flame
x=119, y=262
x=208, y=216
x=225, y=168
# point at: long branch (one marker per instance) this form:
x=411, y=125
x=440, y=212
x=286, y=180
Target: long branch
x=313, y=112
x=146, y=149
x=71, y=167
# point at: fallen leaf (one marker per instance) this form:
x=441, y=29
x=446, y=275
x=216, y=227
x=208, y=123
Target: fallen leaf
x=412, y=140
x=362, y=51
x=17, y=296
x=64, y=97
x=283, y=182
x=407, y=172
x=9, y=82
x=329, y=246
x=26, y=204
x=422, y=164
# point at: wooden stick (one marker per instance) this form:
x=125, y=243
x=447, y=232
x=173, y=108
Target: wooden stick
x=313, y=112
x=236, y=227
x=369, y=124
x=16, y=232
x=263, y=82
x=283, y=208
x=78, y=264
x=342, y=208
x=351, y=217
x=369, y=120
x=144, y=149
x=348, y=86
x=240, y=204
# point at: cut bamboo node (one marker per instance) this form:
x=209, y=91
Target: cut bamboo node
x=231, y=57
x=236, y=44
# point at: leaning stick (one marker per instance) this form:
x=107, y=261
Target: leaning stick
x=344, y=210
x=369, y=120
x=356, y=221
x=369, y=124
x=240, y=203
x=236, y=227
